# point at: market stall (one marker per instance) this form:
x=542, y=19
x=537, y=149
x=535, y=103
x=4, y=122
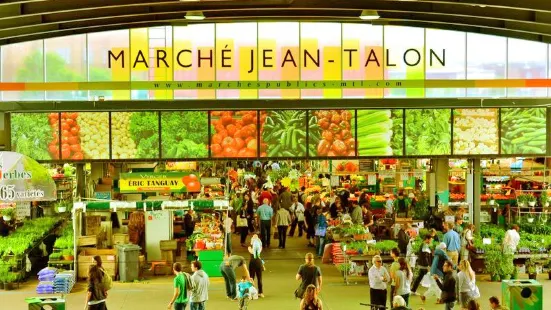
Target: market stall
x=22, y=180
x=156, y=248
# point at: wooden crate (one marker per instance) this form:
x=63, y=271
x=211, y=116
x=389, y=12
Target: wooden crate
x=168, y=256
x=168, y=245
x=93, y=225
x=87, y=240
x=108, y=258
x=120, y=238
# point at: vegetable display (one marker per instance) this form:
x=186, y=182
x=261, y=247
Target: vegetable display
x=70, y=136
x=234, y=134
x=475, y=131
x=284, y=134
x=135, y=135
x=94, y=134
x=380, y=132
x=424, y=137
x=184, y=134
x=35, y=135
x=523, y=131
x=331, y=133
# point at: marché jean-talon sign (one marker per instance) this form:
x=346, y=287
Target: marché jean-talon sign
x=266, y=58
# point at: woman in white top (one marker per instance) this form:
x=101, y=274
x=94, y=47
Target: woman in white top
x=403, y=278
x=467, y=240
x=466, y=283
x=378, y=278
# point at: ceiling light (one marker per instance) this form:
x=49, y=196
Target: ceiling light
x=369, y=15
x=195, y=15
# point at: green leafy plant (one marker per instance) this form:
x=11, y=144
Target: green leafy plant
x=8, y=212
x=181, y=134
x=55, y=256
x=386, y=245
x=506, y=266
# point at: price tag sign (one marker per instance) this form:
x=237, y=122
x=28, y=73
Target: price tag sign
x=371, y=179
x=22, y=210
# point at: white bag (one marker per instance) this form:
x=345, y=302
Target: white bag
x=476, y=292
x=253, y=293
x=433, y=289
x=425, y=282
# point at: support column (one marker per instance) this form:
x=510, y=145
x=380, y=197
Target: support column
x=441, y=167
x=80, y=176
x=476, y=188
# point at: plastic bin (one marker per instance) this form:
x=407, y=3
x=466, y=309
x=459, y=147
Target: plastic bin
x=39, y=303
x=129, y=262
x=522, y=294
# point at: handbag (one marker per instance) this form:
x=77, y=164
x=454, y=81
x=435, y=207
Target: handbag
x=242, y=222
x=475, y=292
x=321, y=231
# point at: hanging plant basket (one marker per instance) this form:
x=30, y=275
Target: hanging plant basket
x=531, y=203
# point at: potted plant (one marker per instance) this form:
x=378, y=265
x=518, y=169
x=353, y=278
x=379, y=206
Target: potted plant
x=492, y=261
x=544, y=198
x=522, y=200
x=68, y=254
x=532, y=200
x=506, y=267
x=10, y=280
x=62, y=206
x=359, y=232
x=531, y=270
x=8, y=214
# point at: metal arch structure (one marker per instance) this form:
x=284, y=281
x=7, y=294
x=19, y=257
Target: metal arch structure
x=27, y=20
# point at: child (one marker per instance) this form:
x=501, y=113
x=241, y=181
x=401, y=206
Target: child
x=243, y=293
x=256, y=248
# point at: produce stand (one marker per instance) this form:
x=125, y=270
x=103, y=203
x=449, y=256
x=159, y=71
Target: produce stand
x=81, y=208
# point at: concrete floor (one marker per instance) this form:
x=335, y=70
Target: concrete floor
x=279, y=285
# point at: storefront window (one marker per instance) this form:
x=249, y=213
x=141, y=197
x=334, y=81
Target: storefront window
x=278, y=45
x=404, y=59
x=320, y=57
x=200, y=40
x=486, y=59
x=99, y=45
x=526, y=60
x=445, y=56
x=160, y=47
x=23, y=62
x=362, y=58
x=236, y=49
x=66, y=62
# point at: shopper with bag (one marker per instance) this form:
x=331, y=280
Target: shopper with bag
x=447, y=285
x=437, y=267
x=308, y=274
x=106, y=279
x=244, y=218
x=97, y=293
x=423, y=262
x=321, y=230
x=297, y=214
x=466, y=284
x=467, y=241
x=256, y=264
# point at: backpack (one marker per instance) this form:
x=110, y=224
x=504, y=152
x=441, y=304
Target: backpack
x=106, y=281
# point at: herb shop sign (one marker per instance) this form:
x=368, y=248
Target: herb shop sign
x=174, y=182
x=23, y=179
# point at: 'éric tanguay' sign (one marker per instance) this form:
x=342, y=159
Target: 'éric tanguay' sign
x=174, y=182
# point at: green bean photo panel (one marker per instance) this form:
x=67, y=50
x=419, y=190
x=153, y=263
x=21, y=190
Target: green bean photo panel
x=523, y=131
x=283, y=134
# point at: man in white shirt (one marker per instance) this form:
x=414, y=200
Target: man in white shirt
x=297, y=216
x=511, y=240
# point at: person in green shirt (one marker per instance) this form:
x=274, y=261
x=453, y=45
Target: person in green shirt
x=179, y=299
x=395, y=254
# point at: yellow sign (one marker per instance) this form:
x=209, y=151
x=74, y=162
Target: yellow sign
x=174, y=182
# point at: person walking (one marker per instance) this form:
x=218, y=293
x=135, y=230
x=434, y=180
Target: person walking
x=467, y=241
x=423, y=262
x=283, y=219
x=308, y=274
x=256, y=265
x=311, y=301
x=227, y=268
x=321, y=230
x=403, y=239
x=180, y=297
x=297, y=215
x=466, y=284
x=378, y=278
x=200, y=287
x=453, y=243
x=402, y=280
x=447, y=286
x=97, y=294
x=437, y=268
x=285, y=198
x=265, y=214
x=227, y=224
x=395, y=266
x=245, y=218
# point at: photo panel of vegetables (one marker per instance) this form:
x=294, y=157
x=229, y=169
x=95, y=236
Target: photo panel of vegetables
x=283, y=134
x=380, y=132
x=234, y=134
x=184, y=134
x=475, y=131
x=84, y=135
x=36, y=135
x=523, y=131
x=331, y=133
x=134, y=135
x=428, y=131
